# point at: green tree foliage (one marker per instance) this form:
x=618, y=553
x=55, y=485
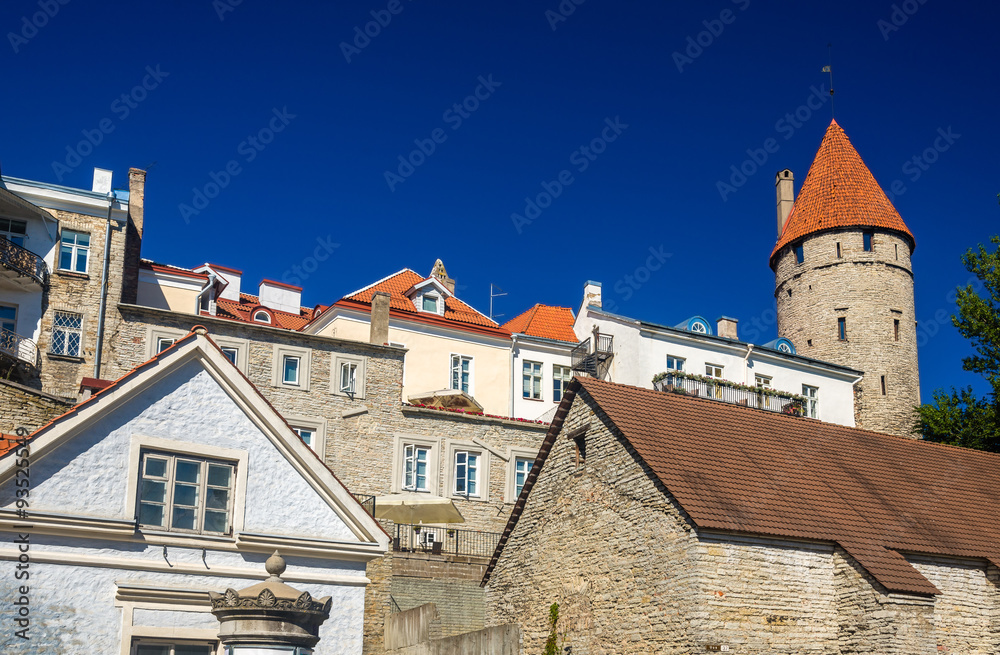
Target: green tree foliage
x=961, y=418
x=551, y=644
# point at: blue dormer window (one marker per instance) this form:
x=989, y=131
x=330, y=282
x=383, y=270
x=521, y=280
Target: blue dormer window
x=785, y=346
x=695, y=324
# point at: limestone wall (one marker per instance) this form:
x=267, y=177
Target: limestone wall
x=24, y=407
x=871, y=290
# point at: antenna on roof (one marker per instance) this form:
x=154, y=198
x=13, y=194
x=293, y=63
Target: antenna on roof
x=493, y=295
x=829, y=69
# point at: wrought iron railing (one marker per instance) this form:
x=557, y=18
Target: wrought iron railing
x=593, y=361
x=758, y=397
x=368, y=502
x=605, y=344
x=23, y=262
x=444, y=541
x=18, y=347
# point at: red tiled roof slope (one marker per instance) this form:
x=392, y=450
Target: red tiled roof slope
x=243, y=311
x=839, y=192
x=545, y=321
x=734, y=468
x=398, y=284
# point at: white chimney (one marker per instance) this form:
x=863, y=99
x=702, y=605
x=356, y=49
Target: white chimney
x=281, y=296
x=785, y=190
x=592, y=294
x=229, y=276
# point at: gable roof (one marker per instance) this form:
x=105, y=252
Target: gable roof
x=739, y=469
x=839, y=192
x=545, y=321
x=197, y=345
x=457, y=314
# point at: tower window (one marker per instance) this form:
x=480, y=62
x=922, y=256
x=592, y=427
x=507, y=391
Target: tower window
x=839, y=255
x=896, y=246
x=842, y=328
x=895, y=328
x=799, y=253
x=789, y=293
x=883, y=385
x=867, y=235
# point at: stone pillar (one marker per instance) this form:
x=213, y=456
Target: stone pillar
x=269, y=618
x=379, y=334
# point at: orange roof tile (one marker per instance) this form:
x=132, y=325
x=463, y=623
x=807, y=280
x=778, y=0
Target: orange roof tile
x=545, y=321
x=839, y=192
x=397, y=284
x=243, y=311
x=746, y=470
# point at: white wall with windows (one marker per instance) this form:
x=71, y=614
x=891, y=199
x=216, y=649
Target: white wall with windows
x=643, y=350
x=541, y=371
x=183, y=488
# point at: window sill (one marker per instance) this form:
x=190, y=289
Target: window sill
x=535, y=400
x=471, y=499
x=350, y=396
x=71, y=274
x=65, y=358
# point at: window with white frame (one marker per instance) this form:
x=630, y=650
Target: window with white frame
x=461, y=373
x=13, y=230
x=416, y=467
x=162, y=343
x=290, y=369
x=531, y=380
x=308, y=436
x=466, y=473
x=145, y=646
x=714, y=371
x=74, y=250
x=561, y=375
x=763, y=381
x=232, y=354
x=67, y=334
x=429, y=303
x=675, y=363
x=522, y=466
x=348, y=376
x=185, y=494
x=261, y=316
x=812, y=399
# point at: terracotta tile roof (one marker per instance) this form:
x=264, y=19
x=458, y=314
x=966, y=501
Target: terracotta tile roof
x=739, y=469
x=839, y=191
x=244, y=310
x=397, y=284
x=545, y=321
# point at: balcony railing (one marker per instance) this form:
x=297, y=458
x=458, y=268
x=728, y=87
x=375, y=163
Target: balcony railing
x=593, y=361
x=444, y=541
x=767, y=399
x=20, y=348
x=23, y=262
x=368, y=502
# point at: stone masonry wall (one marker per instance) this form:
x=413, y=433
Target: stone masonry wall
x=967, y=613
x=24, y=407
x=362, y=435
x=870, y=290
x=80, y=293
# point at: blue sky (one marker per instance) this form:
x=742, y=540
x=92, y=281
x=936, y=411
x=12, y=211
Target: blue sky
x=302, y=123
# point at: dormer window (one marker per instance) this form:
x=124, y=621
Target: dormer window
x=430, y=303
x=261, y=316
x=698, y=326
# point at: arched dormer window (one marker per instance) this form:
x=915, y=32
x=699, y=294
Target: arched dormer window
x=698, y=326
x=261, y=316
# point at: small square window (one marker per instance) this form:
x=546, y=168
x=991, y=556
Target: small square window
x=675, y=363
x=290, y=369
x=163, y=343
x=713, y=371
x=531, y=380
x=763, y=381
x=74, y=250
x=430, y=303
x=307, y=435
x=348, y=376
x=67, y=334
x=232, y=354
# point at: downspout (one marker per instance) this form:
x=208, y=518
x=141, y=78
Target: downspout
x=746, y=365
x=104, y=288
x=513, y=347
x=208, y=287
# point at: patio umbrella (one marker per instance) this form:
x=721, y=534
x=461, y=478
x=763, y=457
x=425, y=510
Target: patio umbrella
x=415, y=508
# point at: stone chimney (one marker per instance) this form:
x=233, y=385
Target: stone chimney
x=592, y=294
x=785, y=190
x=442, y=275
x=379, y=334
x=726, y=327
x=133, y=235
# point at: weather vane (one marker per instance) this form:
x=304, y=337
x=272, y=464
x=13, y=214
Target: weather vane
x=829, y=69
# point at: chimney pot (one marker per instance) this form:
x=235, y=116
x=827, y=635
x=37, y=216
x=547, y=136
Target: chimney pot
x=592, y=294
x=379, y=334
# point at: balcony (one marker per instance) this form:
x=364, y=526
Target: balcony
x=593, y=355
x=770, y=400
x=444, y=541
x=21, y=266
x=368, y=502
x=19, y=349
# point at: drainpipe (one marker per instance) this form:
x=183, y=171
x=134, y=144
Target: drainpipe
x=746, y=364
x=208, y=287
x=104, y=288
x=513, y=387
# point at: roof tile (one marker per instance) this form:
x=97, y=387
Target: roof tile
x=545, y=321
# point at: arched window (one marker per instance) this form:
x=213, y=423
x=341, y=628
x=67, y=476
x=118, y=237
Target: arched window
x=260, y=316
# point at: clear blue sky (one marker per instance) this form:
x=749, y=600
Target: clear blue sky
x=222, y=73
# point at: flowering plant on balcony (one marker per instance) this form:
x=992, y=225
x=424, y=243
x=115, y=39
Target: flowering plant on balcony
x=457, y=410
x=669, y=376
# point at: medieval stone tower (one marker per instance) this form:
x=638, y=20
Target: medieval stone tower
x=844, y=282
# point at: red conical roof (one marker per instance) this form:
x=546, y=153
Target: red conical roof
x=839, y=192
